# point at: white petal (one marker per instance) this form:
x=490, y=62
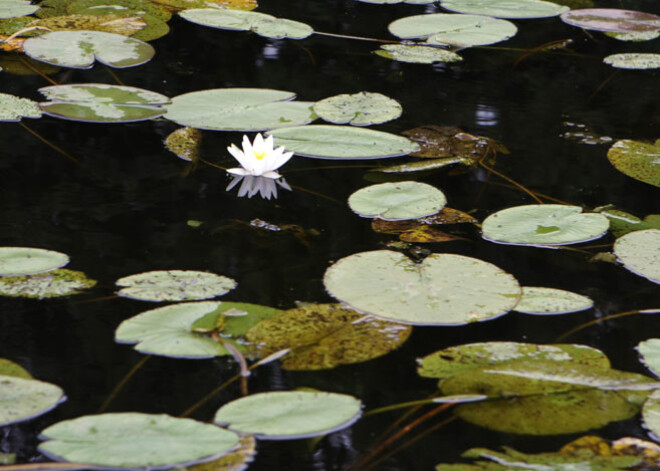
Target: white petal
x=238, y=171
x=269, y=143
x=247, y=147
x=282, y=159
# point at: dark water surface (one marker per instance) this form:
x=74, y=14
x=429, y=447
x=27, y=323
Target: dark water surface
x=125, y=209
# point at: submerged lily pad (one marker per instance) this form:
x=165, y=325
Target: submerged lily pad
x=539, y=300
x=19, y=261
x=639, y=252
x=15, y=8
x=52, y=284
x=100, y=103
x=116, y=24
x=397, y=201
x=283, y=415
x=444, y=289
x=239, y=109
x=514, y=9
x=358, y=109
x=637, y=61
x=638, y=160
x=79, y=49
x=13, y=108
x=543, y=224
x=342, y=142
x=185, y=143
x=9, y=368
x=324, y=336
x=417, y=54
x=174, y=285
x=22, y=398
x=134, y=440
x=453, y=29
x=612, y=19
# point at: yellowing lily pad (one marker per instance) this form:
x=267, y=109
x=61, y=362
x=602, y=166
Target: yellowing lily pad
x=185, y=142
x=125, y=26
x=639, y=252
x=229, y=4
x=174, y=285
x=23, y=399
x=9, y=368
x=540, y=300
x=397, y=201
x=637, y=159
x=13, y=108
x=417, y=54
x=52, y=284
x=19, y=261
x=637, y=61
x=358, y=109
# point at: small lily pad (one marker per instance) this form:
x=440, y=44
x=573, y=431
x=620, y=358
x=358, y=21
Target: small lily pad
x=9, y=368
x=397, y=201
x=539, y=300
x=13, y=108
x=612, y=19
x=23, y=399
x=52, y=284
x=637, y=61
x=15, y=8
x=134, y=440
x=287, y=415
x=637, y=159
x=543, y=224
x=342, y=142
x=174, y=285
x=639, y=252
x=185, y=143
x=444, y=289
x=358, y=109
x=79, y=49
x=514, y=9
x=19, y=261
x=417, y=54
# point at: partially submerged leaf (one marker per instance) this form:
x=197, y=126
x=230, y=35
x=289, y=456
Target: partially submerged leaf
x=52, y=284
x=13, y=108
x=174, y=285
x=417, y=54
x=19, y=261
x=637, y=159
x=425, y=165
x=427, y=235
x=636, y=61
x=9, y=368
x=612, y=19
x=185, y=143
x=397, y=201
x=452, y=142
x=639, y=252
x=23, y=398
x=541, y=300
x=126, y=26
x=358, y=109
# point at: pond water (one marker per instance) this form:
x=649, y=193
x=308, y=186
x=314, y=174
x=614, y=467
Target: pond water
x=125, y=208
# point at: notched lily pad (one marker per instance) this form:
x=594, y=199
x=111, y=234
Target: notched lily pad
x=20, y=261
x=52, y=284
x=358, y=109
x=639, y=252
x=540, y=300
x=13, y=108
x=174, y=285
x=612, y=19
x=397, y=201
x=637, y=61
x=23, y=399
x=417, y=54
x=185, y=143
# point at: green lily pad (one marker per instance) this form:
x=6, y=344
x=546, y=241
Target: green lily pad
x=417, y=54
x=462, y=358
x=13, y=108
x=185, y=143
x=543, y=224
x=649, y=350
x=639, y=252
x=7, y=458
x=444, y=289
x=237, y=460
x=283, y=415
x=637, y=61
x=638, y=160
x=324, y=336
x=397, y=201
x=612, y=19
x=358, y=109
x=281, y=28
x=15, y=8
x=392, y=2
x=239, y=109
x=622, y=222
x=117, y=24
x=79, y=49
x=635, y=36
x=23, y=399
x=174, y=285
x=134, y=440
x=234, y=320
x=9, y=368
x=514, y=9
x=19, y=261
x=651, y=413
x=141, y=8
x=100, y=103
x=454, y=30
x=539, y=300
x=52, y=284
x=342, y=142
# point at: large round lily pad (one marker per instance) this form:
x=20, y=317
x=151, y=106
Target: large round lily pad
x=612, y=19
x=342, y=142
x=283, y=415
x=636, y=159
x=417, y=54
x=541, y=300
x=239, y=109
x=174, y=285
x=358, y=109
x=52, y=284
x=134, y=440
x=79, y=49
x=635, y=61
x=397, y=201
x=639, y=252
x=23, y=398
x=543, y=224
x=13, y=108
x=15, y=8
x=19, y=261
x=515, y=9
x=444, y=289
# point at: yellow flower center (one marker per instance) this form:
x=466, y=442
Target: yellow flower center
x=259, y=155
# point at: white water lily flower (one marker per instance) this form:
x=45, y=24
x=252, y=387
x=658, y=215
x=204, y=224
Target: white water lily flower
x=258, y=159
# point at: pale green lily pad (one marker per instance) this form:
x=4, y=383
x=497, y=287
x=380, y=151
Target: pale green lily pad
x=23, y=399
x=417, y=54
x=453, y=29
x=514, y=9
x=638, y=160
x=397, y=201
x=543, y=224
x=444, y=289
x=342, y=142
x=9, y=368
x=20, y=261
x=392, y=2
x=239, y=109
x=539, y=300
x=462, y=358
x=174, y=285
x=612, y=19
x=637, y=61
x=287, y=415
x=281, y=28
x=7, y=459
x=649, y=350
x=134, y=440
x=635, y=36
x=639, y=252
x=13, y=108
x=651, y=414
x=324, y=336
x=15, y=8
x=52, y=284
x=79, y=49
x=358, y=109
x=100, y=103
